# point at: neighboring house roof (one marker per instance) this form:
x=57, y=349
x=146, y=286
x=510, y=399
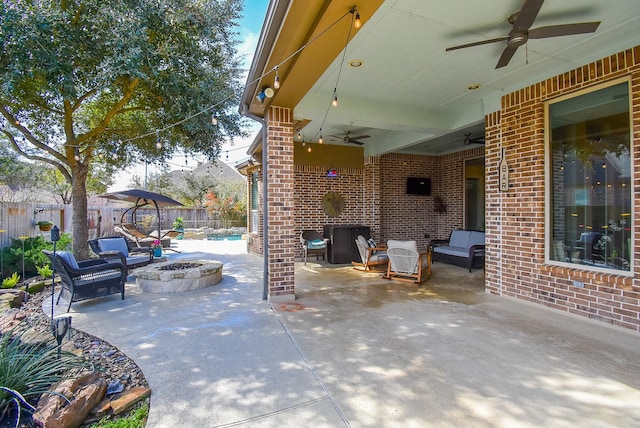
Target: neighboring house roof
x=219, y=170
x=410, y=95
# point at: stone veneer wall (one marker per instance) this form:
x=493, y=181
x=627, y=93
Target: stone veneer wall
x=515, y=219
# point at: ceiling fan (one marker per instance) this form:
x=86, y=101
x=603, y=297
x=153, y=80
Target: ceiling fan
x=351, y=140
x=521, y=32
x=468, y=140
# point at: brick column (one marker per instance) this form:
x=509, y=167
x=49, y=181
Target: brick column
x=280, y=216
x=371, y=198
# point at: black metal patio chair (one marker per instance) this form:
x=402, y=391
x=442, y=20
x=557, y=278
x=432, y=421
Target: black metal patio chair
x=87, y=279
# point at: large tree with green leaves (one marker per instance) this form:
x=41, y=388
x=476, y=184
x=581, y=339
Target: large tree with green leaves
x=116, y=82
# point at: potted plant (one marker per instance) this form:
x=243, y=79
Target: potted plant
x=178, y=224
x=44, y=225
x=157, y=248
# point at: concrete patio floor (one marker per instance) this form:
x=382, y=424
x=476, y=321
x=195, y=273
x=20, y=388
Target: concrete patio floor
x=357, y=350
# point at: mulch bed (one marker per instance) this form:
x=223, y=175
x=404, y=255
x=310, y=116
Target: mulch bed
x=113, y=365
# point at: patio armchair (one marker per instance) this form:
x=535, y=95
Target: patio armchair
x=313, y=243
x=82, y=280
x=373, y=257
x=406, y=263
x=116, y=247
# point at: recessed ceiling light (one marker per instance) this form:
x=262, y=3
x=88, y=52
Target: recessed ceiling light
x=473, y=86
x=356, y=63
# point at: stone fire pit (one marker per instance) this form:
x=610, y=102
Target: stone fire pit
x=178, y=275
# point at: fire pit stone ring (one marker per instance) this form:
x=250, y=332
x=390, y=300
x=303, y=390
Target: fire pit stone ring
x=178, y=275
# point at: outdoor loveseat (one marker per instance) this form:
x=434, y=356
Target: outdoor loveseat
x=116, y=247
x=463, y=248
x=87, y=279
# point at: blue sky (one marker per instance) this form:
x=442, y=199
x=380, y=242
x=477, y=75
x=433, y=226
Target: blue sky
x=249, y=31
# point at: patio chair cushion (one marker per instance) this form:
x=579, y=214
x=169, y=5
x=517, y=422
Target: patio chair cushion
x=69, y=258
x=316, y=243
x=112, y=244
x=118, y=245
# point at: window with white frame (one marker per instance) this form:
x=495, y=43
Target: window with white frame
x=590, y=176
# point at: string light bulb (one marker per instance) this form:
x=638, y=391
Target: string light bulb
x=309, y=149
x=76, y=155
x=334, y=101
x=357, y=22
x=276, y=80
x=214, y=120
x=320, y=140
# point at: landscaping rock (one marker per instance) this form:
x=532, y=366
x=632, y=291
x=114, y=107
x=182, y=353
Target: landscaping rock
x=84, y=394
x=10, y=318
x=127, y=399
x=11, y=298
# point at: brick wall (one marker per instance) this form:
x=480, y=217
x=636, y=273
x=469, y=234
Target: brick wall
x=280, y=190
x=376, y=196
x=312, y=183
x=515, y=219
x=411, y=217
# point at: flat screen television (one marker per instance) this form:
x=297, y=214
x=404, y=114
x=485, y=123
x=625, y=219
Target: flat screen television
x=419, y=186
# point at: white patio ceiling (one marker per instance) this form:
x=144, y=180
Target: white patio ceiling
x=411, y=96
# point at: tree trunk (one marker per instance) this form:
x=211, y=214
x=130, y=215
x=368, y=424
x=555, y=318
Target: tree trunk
x=79, y=213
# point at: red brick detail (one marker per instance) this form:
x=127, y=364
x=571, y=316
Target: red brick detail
x=515, y=225
x=280, y=194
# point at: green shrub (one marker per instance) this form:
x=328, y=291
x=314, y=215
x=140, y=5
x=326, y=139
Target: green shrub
x=28, y=370
x=178, y=223
x=33, y=256
x=136, y=419
x=11, y=281
x=44, y=271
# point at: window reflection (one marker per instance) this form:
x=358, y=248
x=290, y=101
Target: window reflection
x=591, y=179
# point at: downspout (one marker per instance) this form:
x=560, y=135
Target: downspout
x=265, y=205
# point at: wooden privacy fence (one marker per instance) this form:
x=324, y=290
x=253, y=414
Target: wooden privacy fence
x=19, y=219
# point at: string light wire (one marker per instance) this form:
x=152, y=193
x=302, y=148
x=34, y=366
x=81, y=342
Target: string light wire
x=256, y=80
x=334, y=97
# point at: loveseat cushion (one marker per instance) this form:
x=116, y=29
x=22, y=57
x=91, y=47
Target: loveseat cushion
x=114, y=244
x=475, y=238
x=459, y=238
x=452, y=251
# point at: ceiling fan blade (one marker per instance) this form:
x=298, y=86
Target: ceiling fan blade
x=563, y=30
x=506, y=56
x=359, y=137
x=527, y=15
x=484, y=42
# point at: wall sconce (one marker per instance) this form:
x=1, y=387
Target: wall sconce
x=266, y=92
